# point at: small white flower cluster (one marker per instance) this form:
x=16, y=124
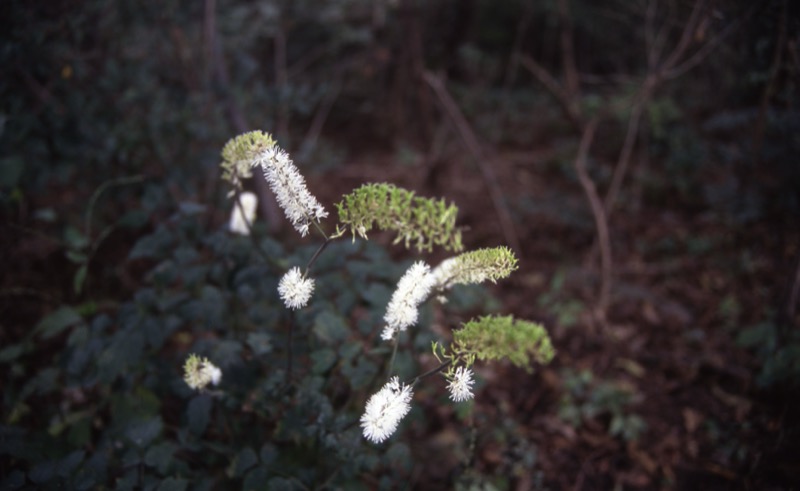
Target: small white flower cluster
x=412, y=289
x=385, y=409
x=199, y=372
x=295, y=290
x=290, y=189
x=242, y=218
x=460, y=385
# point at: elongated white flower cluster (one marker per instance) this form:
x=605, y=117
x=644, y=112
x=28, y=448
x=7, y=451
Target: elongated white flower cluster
x=412, y=289
x=295, y=290
x=460, y=385
x=443, y=274
x=199, y=372
x=300, y=207
x=244, y=215
x=385, y=409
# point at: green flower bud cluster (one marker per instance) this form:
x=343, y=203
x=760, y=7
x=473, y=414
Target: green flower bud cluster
x=425, y=222
x=498, y=337
x=489, y=264
x=238, y=155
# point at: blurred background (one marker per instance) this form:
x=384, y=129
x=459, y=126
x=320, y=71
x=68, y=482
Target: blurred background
x=640, y=157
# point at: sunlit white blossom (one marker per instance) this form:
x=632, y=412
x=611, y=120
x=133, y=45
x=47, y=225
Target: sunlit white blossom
x=295, y=290
x=460, y=385
x=412, y=289
x=385, y=409
x=442, y=275
x=244, y=215
x=300, y=207
x=199, y=372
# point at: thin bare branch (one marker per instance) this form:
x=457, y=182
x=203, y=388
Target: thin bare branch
x=471, y=142
x=568, y=105
x=599, y=214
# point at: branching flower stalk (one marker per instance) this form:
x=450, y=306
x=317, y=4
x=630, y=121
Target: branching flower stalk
x=418, y=221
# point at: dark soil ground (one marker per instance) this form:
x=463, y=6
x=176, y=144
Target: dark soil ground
x=668, y=339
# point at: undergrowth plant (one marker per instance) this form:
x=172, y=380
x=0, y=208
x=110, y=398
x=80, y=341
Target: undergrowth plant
x=418, y=221
x=239, y=363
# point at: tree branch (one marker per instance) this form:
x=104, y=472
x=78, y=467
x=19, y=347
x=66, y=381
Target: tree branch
x=471, y=142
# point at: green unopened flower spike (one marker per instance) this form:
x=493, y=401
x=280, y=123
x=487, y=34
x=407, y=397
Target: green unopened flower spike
x=422, y=221
x=199, y=372
x=238, y=155
x=498, y=337
x=474, y=267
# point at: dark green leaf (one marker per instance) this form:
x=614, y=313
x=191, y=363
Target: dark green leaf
x=246, y=459
x=330, y=328
x=199, y=413
x=256, y=479
x=322, y=360
x=57, y=321
x=144, y=432
x=259, y=342
x=173, y=484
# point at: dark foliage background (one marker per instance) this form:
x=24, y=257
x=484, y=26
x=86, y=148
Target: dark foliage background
x=677, y=336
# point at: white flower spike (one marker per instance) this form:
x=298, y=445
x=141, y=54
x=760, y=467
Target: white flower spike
x=199, y=372
x=412, y=289
x=240, y=217
x=294, y=289
x=460, y=385
x=300, y=207
x=385, y=409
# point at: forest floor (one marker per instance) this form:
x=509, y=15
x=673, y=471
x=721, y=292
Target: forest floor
x=656, y=395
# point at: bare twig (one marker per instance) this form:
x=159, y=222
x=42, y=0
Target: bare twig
x=568, y=105
x=568, y=51
x=318, y=122
x=471, y=142
x=627, y=146
x=281, y=83
x=599, y=217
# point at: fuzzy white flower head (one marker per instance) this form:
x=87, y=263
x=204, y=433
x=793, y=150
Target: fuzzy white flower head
x=300, y=207
x=443, y=274
x=412, y=289
x=244, y=215
x=294, y=289
x=385, y=409
x=460, y=385
x=199, y=372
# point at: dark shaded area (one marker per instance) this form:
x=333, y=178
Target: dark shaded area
x=677, y=335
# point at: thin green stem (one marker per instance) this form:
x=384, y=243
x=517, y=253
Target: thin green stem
x=316, y=255
x=289, y=335
x=395, y=342
x=430, y=372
